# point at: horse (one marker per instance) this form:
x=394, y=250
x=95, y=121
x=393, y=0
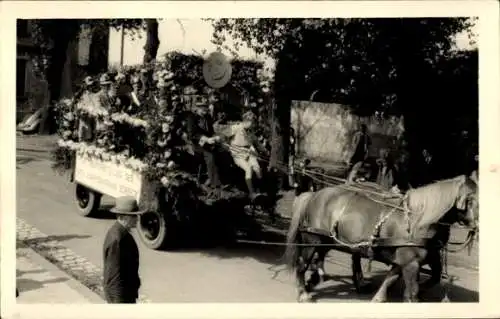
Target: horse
x=404, y=232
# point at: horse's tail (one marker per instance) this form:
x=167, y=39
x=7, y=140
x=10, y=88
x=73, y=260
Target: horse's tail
x=298, y=213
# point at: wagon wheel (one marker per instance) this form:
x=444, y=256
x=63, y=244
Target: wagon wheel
x=154, y=230
x=87, y=201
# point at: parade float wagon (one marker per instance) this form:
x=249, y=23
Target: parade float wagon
x=114, y=150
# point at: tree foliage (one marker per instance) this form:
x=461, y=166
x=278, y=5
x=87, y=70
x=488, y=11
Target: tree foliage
x=361, y=58
x=53, y=36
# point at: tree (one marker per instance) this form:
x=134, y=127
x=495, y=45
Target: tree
x=368, y=64
x=152, y=40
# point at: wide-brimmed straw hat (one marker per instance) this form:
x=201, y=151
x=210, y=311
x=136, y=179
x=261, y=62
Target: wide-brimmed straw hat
x=126, y=205
x=104, y=79
x=217, y=70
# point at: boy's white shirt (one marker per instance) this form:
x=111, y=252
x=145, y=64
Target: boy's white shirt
x=239, y=135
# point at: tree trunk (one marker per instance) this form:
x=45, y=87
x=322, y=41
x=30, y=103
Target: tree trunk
x=284, y=87
x=99, y=51
x=152, y=40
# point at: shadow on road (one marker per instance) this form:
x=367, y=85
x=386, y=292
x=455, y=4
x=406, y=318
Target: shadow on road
x=33, y=150
x=19, y=273
x=218, y=237
x=24, y=160
x=39, y=241
x=24, y=284
x=341, y=287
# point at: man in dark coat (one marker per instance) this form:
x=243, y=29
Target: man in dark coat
x=200, y=130
x=121, y=255
x=361, y=143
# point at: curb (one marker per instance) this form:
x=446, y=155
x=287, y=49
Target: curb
x=65, y=259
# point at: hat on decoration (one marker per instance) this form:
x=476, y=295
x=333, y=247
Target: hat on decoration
x=217, y=70
x=104, y=79
x=126, y=205
x=119, y=76
x=135, y=80
x=88, y=80
x=190, y=90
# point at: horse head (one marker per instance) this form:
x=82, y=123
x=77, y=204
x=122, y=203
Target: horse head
x=467, y=202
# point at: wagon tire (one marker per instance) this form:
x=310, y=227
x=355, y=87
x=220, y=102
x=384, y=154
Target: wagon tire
x=87, y=201
x=154, y=230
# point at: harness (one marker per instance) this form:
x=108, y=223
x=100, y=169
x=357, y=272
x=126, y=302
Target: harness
x=375, y=240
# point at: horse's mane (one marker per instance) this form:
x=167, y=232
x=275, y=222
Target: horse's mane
x=430, y=202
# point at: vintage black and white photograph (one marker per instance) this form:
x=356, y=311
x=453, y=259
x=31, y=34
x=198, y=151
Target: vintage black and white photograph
x=238, y=160
x=247, y=160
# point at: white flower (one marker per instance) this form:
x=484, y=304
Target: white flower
x=165, y=181
x=161, y=143
x=160, y=165
x=265, y=89
x=66, y=134
x=165, y=127
x=167, y=154
x=69, y=116
x=169, y=119
x=260, y=100
x=170, y=165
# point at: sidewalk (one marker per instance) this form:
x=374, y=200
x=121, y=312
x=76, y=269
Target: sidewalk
x=36, y=143
x=38, y=281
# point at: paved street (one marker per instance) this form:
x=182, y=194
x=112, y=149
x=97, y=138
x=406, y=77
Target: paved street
x=238, y=274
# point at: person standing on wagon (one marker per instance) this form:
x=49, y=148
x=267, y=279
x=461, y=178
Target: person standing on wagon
x=121, y=281
x=201, y=135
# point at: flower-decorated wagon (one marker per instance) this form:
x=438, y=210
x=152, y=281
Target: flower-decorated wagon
x=125, y=133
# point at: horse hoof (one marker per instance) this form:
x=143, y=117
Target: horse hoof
x=304, y=297
x=378, y=299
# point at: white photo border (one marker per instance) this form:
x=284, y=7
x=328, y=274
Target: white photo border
x=489, y=83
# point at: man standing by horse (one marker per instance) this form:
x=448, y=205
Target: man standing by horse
x=361, y=143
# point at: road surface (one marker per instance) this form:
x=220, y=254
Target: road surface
x=219, y=274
